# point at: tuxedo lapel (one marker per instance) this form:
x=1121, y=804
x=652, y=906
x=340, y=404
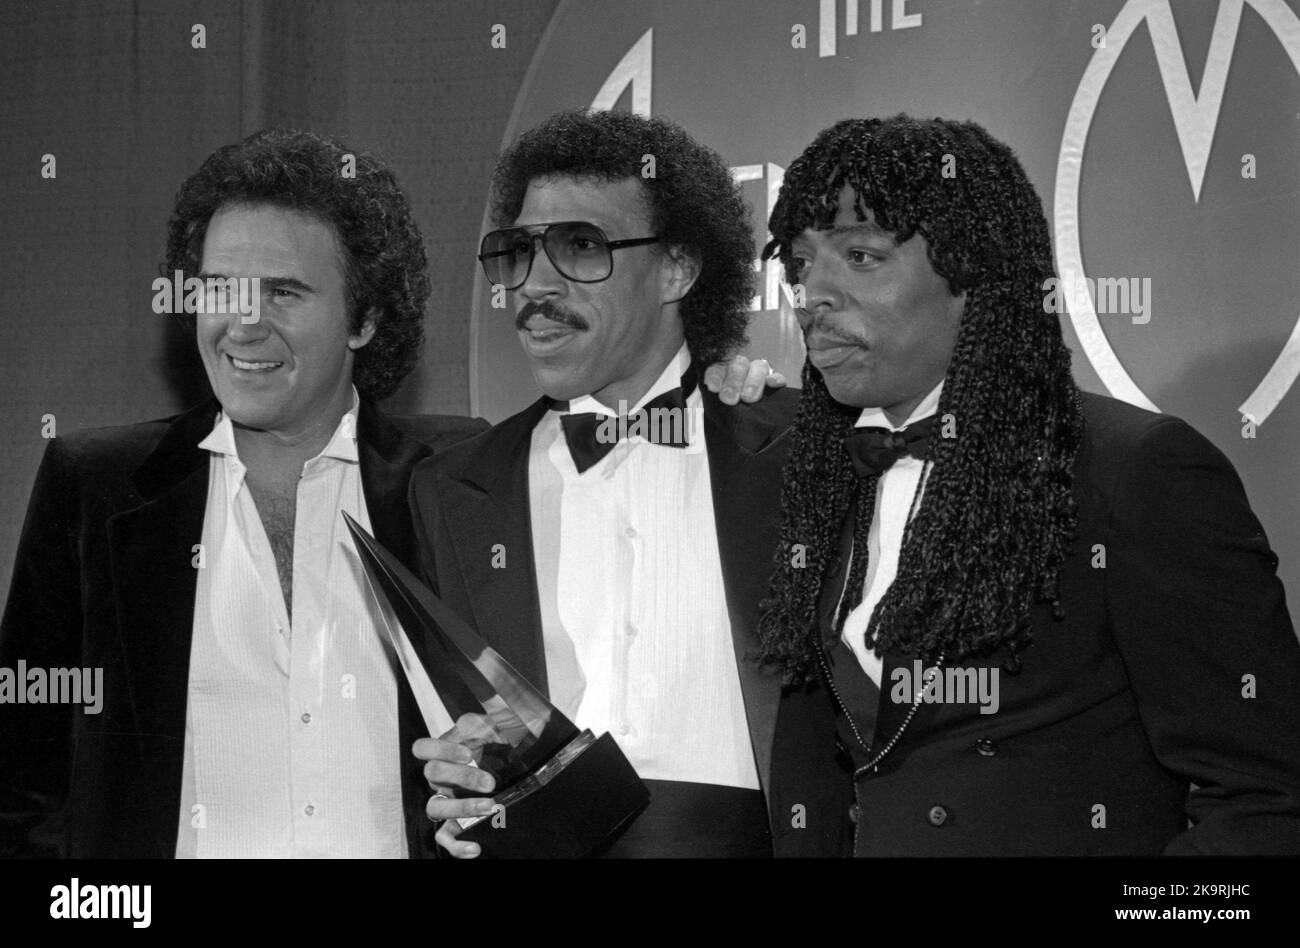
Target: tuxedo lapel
x=834, y=577
x=487, y=515
x=891, y=714
x=879, y=724
x=872, y=712
x=387, y=457
x=152, y=560
x=745, y=472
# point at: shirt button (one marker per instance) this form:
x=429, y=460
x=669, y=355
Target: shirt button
x=309, y=809
x=631, y=631
x=938, y=815
x=630, y=533
x=986, y=747
x=306, y=717
x=855, y=812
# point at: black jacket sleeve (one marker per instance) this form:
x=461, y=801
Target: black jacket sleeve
x=41, y=628
x=1200, y=619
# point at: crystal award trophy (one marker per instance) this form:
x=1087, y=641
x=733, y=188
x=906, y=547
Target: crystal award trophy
x=564, y=792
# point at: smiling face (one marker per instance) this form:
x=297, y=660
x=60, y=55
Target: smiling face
x=879, y=322
x=609, y=339
x=289, y=373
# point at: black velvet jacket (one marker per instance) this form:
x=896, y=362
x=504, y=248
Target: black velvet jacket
x=104, y=578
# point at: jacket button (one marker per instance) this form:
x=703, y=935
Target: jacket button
x=855, y=812
x=938, y=815
x=986, y=747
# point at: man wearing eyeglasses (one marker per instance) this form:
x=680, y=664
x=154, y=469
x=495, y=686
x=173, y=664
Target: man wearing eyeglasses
x=613, y=539
x=249, y=703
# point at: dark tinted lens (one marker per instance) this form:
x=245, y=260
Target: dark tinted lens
x=505, y=255
x=579, y=251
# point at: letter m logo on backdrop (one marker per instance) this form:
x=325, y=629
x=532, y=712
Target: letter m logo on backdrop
x=1195, y=116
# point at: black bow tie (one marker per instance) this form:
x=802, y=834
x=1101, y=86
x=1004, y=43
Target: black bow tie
x=874, y=450
x=662, y=420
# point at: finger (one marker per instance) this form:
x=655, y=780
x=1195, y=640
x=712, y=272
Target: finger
x=446, y=838
x=439, y=773
x=714, y=376
x=432, y=748
x=739, y=371
x=733, y=373
x=473, y=731
x=759, y=370
x=776, y=379
x=443, y=807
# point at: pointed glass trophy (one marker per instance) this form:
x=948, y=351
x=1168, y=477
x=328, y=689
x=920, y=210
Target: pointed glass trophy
x=564, y=792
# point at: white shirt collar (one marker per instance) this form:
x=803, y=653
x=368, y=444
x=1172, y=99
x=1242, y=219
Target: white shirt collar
x=876, y=418
x=343, y=444
x=669, y=378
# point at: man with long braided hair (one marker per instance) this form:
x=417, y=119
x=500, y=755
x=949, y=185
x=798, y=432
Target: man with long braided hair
x=1048, y=622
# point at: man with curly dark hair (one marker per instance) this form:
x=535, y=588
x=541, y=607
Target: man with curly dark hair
x=380, y=246
x=249, y=704
x=610, y=539
x=1047, y=622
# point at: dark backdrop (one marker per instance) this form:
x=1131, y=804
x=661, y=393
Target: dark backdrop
x=117, y=93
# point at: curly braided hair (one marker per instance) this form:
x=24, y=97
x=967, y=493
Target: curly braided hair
x=997, y=514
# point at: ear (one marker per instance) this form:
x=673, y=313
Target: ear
x=360, y=339
x=679, y=270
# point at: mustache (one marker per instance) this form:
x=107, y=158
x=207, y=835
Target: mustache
x=552, y=311
x=833, y=333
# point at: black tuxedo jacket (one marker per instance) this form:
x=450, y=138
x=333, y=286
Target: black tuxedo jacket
x=104, y=578
x=1175, y=665
x=474, y=496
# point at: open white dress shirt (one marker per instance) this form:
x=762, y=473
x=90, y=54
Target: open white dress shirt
x=291, y=737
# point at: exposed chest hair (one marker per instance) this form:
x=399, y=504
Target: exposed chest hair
x=277, y=507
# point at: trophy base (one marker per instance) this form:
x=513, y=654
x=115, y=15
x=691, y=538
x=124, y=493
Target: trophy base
x=575, y=803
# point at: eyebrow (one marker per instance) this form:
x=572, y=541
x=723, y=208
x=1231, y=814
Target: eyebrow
x=542, y=225
x=287, y=283
x=862, y=228
x=273, y=283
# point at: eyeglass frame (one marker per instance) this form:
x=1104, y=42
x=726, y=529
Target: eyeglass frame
x=534, y=236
